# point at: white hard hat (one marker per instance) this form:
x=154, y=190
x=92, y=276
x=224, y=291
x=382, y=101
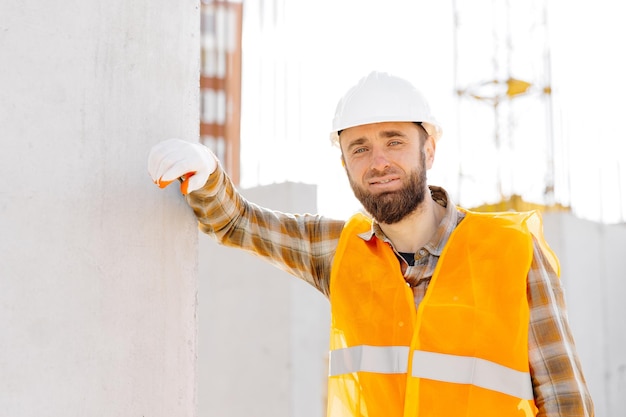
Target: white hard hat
x=381, y=97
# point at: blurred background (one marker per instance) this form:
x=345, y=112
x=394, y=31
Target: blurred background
x=528, y=93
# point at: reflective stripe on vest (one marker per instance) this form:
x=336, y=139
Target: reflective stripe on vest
x=474, y=371
x=430, y=365
x=379, y=359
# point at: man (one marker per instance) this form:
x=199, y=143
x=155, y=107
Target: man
x=436, y=311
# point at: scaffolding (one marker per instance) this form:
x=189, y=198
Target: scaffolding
x=504, y=97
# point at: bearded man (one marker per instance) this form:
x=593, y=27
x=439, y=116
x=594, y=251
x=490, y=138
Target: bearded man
x=436, y=310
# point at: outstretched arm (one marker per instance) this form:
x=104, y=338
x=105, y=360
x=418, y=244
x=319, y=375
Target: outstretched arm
x=301, y=244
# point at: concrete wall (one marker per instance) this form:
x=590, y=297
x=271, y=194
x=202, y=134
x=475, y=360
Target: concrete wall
x=97, y=265
x=263, y=335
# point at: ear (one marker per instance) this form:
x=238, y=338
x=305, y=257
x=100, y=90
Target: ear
x=430, y=146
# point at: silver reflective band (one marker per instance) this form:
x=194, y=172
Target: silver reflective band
x=474, y=371
x=364, y=358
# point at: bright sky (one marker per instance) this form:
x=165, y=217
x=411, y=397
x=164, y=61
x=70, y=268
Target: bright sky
x=295, y=72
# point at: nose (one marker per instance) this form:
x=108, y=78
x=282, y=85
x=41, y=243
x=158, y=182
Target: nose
x=379, y=160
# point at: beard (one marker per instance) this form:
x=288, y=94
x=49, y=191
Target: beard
x=392, y=206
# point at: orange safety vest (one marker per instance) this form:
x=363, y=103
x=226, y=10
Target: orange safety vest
x=464, y=352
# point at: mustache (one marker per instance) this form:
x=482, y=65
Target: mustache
x=375, y=173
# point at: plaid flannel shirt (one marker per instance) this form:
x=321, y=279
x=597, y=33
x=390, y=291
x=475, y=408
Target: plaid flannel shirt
x=304, y=246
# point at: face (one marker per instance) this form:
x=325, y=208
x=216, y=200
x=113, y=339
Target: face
x=386, y=164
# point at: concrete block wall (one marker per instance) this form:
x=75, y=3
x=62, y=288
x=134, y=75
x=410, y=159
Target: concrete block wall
x=97, y=265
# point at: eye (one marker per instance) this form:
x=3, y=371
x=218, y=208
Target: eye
x=359, y=150
x=395, y=142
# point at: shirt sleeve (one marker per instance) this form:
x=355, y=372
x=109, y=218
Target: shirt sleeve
x=558, y=382
x=301, y=244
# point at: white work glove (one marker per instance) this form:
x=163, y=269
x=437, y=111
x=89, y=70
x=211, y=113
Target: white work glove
x=173, y=159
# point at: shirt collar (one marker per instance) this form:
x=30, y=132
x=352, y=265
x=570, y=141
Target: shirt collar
x=450, y=220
